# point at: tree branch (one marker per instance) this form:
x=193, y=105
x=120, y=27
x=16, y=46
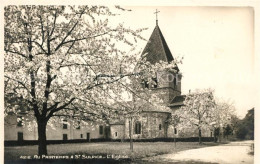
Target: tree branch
x=54, y=23
x=38, y=44
x=18, y=53
x=42, y=30
x=59, y=108
x=19, y=82
x=69, y=32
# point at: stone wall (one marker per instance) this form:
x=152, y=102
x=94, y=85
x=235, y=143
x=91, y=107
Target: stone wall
x=152, y=125
x=54, y=132
x=117, y=131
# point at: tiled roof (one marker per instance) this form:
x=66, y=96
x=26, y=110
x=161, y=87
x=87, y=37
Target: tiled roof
x=178, y=100
x=117, y=122
x=157, y=49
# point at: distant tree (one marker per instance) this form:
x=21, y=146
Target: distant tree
x=249, y=122
x=221, y=118
x=197, y=109
x=216, y=133
x=245, y=128
x=59, y=59
x=241, y=131
x=227, y=131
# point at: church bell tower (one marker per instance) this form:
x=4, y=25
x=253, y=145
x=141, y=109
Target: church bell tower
x=168, y=83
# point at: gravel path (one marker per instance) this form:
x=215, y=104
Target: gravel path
x=232, y=153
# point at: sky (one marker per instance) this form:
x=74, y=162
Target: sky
x=217, y=44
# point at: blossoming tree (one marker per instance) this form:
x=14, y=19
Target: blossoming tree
x=57, y=59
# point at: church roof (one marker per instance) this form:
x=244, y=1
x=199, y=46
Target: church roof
x=157, y=49
x=177, y=100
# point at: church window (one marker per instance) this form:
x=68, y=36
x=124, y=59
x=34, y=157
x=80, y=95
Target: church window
x=175, y=131
x=65, y=137
x=65, y=126
x=20, y=136
x=138, y=128
x=81, y=135
x=175, y=82
x=19, y=121
x=100, y=129
x=116, y=134
x=155, y=84
x=160, y=126
x=78, y=125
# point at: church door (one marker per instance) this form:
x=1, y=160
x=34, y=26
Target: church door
x=20, y=136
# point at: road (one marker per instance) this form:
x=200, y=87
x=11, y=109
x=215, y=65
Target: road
x=232, y=153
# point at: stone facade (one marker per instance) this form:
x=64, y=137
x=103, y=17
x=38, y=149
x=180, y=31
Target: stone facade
x=117, y=131
x=13, y=130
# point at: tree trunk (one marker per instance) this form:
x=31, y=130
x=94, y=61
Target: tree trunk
x=215, y=135
x=42, y=143
x=131, y=134
x=200, y=136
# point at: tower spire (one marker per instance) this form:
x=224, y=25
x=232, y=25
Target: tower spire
x=156, y=13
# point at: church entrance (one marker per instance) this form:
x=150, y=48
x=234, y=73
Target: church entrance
x=20, y=136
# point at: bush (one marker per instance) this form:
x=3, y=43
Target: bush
x=241, y=132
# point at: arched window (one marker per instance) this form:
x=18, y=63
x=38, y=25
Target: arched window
x=155, y=85
x=101, y=130
x=175, y=131
x=175, y=82
x=137, y=127
x=19, y=121
x=65, y=126
x=78, y=125
x=160, y=126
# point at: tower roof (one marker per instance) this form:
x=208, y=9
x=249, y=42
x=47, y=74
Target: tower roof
x=157, y=49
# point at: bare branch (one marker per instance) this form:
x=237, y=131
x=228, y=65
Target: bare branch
x=76, y=64
x=69, y=32
x=54, y=23
x=19, y=82
x=59, y=108
x=18, y=53
x=41, y=47
x=42, y=31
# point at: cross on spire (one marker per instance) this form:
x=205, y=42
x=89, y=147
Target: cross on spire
x=156, y=13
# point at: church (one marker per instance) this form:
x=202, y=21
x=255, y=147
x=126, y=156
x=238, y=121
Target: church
x=151, y=124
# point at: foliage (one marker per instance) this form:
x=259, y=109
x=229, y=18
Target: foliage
x=57, y=56
x=227, y=130
x=221, y=119
x=241, y=132
x=245, y=128
x=61, y=60
x=197, y=110
x=70, y=61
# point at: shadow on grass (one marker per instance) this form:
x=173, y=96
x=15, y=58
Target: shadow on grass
x=141, y=150
x=58, y=161
x=101, y=161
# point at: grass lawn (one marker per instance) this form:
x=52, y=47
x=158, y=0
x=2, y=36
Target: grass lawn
x=105, y=150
